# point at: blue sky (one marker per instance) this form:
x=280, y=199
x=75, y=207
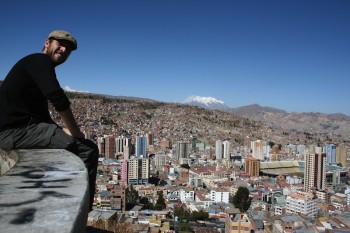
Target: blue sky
x=291, y=55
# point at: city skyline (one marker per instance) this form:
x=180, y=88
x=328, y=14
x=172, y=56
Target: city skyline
x=287, y=55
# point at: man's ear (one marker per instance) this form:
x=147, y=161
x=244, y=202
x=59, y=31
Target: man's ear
x=46, y=45
x=47, y=42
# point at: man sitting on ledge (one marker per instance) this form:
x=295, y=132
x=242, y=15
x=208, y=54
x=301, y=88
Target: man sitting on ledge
x=25, y=121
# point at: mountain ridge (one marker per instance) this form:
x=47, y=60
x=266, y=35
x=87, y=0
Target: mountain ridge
x=332, y=124
x=312, y=122
x=206, y=102
x=178, y=122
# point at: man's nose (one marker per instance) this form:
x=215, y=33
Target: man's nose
x=63, y=48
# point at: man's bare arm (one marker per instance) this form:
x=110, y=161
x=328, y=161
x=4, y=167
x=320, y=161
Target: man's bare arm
x=71, y=124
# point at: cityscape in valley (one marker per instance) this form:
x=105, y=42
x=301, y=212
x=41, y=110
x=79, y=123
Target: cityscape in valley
x=167, y=167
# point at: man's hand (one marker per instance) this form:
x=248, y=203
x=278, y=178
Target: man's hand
x=78, y=134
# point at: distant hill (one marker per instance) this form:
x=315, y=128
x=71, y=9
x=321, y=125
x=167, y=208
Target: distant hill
x=178, y=121
x=93, y=95
x=255, y=109
x=316, y=123
x=337, y=123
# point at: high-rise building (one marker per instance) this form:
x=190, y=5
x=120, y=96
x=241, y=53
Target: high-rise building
x=341, y=156
x=218, y=149
x=301, y=149
x=336, y=179
x=182, y=150
x=101, y=146
x=141, y=146
x=330, y=150
x=257, y=148
x=315, y=172
x=138, y=171
x=150, y=139
x=124, y=170
x=314, y=149
x=252, y=166
x=109, y=146
x=160, y=161
x=122, y=145
x=226, y=152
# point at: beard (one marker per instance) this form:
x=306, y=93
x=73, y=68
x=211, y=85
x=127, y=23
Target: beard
x=58, y=57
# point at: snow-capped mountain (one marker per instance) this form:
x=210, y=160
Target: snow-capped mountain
x=206, y=102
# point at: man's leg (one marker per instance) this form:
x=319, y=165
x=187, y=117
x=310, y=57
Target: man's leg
x=85, y=149
x=46, y=135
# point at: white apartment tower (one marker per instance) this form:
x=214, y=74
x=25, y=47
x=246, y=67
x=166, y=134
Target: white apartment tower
x=257, y=148
x=226, y=151
x=330, y=150
x=218, y=149
x=122, y=146
x=160, y=161
x=218, y=195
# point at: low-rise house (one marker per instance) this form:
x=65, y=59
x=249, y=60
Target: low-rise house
x=103, y=200
x=219, y=195
x=237, y=222
x=106, y=216
x=302, y=203
x=339, y=201
x=202, y=200
x=187, y=194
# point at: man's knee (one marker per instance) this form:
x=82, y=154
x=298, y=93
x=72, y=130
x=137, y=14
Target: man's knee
x=61, y=140
x=88, y=148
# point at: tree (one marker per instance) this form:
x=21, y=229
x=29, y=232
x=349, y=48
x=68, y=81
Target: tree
x=199, y=215
x=162, y=183
x=154, y=180
x=132, y=196
x=146, y=204
x=185, y=165
x=241, y=199
x=160, y=204
x=185, y=227
x=182, y=214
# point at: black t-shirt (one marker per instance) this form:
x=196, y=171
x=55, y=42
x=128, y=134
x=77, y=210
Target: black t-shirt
x=26, y=89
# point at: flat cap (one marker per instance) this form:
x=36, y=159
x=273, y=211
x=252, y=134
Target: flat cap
x=63, y=35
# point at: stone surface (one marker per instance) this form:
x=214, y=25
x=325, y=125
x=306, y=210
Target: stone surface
x=46, y=191
x=7, y=160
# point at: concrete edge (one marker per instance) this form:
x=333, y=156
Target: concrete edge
x=46, y=191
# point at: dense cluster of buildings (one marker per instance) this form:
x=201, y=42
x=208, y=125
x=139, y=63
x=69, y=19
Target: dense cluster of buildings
x=291, y=190
x=294, y=187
